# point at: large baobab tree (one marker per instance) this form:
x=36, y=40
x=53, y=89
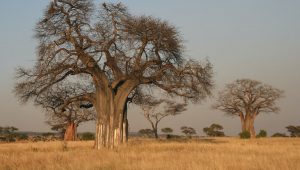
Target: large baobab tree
x=154, y=110
x=247, y=99
x=119, y=52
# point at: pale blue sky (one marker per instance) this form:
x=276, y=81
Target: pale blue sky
x=258, y=39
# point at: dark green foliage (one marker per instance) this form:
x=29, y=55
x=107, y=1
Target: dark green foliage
x=169, y=136
x=188, y=131
x=8, y=134
x=214, y=130
x=279, y=135
x=245, y=135
x=294, y=130
x=87, y=136
x=22, y=137
x=146, y=132
x=47, y=134
x=262, y=134
x=167, y=130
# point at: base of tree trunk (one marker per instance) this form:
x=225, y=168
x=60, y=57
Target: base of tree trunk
x=70, y=133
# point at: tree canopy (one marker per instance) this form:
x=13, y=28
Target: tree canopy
x=247, y=99
x=115, y=52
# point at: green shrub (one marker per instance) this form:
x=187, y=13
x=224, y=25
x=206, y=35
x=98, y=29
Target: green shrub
x=87, y=136
x=22, y=137
x=245, y=135
x=262, y=134
x=279, y=135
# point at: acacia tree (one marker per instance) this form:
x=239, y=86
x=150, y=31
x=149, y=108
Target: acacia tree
x=119, y=52
x=153, y=112
x=294, y=130
x=188, y=131
x=247, y=99
x=167, y=130
x=214, y=130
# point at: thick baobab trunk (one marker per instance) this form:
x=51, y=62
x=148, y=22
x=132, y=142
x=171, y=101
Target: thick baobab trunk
x=251, y=128
x=248, y=124
x=70, y=133
x=111, y=122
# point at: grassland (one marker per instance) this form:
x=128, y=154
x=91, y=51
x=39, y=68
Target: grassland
x=139, y=154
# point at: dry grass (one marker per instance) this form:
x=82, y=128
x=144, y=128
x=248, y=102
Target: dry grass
x=215, y=153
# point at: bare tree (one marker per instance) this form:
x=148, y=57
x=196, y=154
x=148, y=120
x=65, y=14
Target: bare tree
x=119, y=52
x=154, y=110
x=247, y=99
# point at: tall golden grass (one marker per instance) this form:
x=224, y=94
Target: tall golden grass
x=139, y=154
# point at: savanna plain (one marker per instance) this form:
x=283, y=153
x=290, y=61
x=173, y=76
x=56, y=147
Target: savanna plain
x=139, y=153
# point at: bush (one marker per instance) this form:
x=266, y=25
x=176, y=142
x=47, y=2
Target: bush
x=279, y=135
x=87, y=136
x=245, y=135
x=22, y=137
x=262, y=134
x=146, y=132
x=169, y=136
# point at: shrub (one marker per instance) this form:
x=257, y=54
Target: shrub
x=167, y=130
x=279, y=135
x=22, y=137
x=146, y=132
x=87, y=136
x=262, y=134
x=245, y=135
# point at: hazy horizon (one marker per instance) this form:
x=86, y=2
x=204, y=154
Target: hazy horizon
x=242, y=39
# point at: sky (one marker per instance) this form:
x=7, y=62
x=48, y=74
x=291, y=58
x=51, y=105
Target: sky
x=243, y=39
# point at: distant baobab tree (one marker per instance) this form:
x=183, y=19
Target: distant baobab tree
x=118, y=52
x=154, y=110
x=247, y=99
x=69, y=119
x=66, y=117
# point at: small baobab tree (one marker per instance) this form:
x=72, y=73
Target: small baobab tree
x=247, y=99
x=66, y=117
x=118, y=52
x=69, y=119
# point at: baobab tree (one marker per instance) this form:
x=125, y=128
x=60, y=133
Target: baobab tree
x=70, y=118
x=66, y=117
x=118, y=52
x=154, y=110
x=247, y=99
